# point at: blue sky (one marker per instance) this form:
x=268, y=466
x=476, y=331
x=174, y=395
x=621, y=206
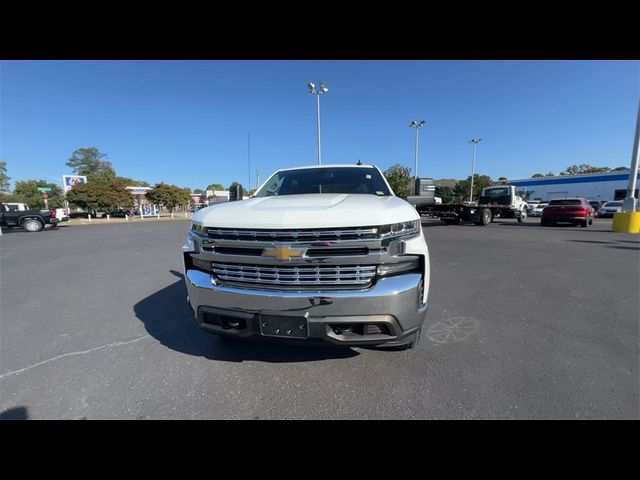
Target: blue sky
x=186, y=122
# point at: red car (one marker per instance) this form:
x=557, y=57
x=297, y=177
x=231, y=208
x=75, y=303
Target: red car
x=568, y=210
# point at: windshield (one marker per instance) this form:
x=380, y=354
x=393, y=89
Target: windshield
x=613, y=204
x=325, y=180
x=565, y=202
x=495, y=192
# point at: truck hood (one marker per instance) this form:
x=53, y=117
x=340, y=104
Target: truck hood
x=324, y=210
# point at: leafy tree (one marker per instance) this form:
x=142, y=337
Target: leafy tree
x=252, y=191
x=400, y=180
x=503, y=178
x=550, y=174
x=4, y=179
x=27, y=192
x=537, y=175
x=235, y=182
x=582, y=169
x=89, y=161
x=101, y=195
x=216, y=186
x=463, y=188
x=133, y=183
x=170, y=196
x=620, y=169
x=198, y=190
x=446, y=193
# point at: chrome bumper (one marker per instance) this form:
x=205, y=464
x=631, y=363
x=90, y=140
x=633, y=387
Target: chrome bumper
x=395, y=302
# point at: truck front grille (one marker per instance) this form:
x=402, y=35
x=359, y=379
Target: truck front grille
x=299, y=235
x=310, y=276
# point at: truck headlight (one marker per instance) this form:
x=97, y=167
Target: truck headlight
x=408, y=264
x=401, y=229
x=199, y=229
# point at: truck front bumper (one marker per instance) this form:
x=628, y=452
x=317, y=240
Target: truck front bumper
x=390, y=312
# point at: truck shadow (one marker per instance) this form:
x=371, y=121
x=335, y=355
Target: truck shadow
x=15, y=413
x=168, y=318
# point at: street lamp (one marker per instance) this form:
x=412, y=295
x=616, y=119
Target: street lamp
x=475, y=142
x=415, y=124
x=321, y=90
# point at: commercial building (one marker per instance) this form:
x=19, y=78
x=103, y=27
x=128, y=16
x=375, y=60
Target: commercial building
x=595, y=186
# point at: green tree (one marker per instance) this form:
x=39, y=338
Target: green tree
x=537, y=175
x=4, y=179
x=101, y=195
x=583, y=169
x=198, y=190
x=27, y=192
x=503, y=178
x=620, y=169
x=463, y=188
x=90, y=162
x=133, y=183
x=170, y=196
x=549, y=174
x=446, y=193
x=242, y=189
x=216, y=186
x=400, y=180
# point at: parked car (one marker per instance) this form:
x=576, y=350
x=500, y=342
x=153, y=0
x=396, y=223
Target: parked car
x=596, y=204
x=609, y=208
x=531, y=204
x=568, y=210
x=62, y=214
x=115, y=214
x=536, y=211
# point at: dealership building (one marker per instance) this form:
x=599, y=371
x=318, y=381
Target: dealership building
x=595, y=186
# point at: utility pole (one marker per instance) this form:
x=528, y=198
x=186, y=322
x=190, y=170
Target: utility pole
x=321, y=90
x=415, y=124
x=249, y=149
x=630, y=202
x=475, y=142
x=257, y=178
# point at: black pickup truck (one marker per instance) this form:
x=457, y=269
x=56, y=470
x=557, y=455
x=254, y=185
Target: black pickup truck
x=30, y=220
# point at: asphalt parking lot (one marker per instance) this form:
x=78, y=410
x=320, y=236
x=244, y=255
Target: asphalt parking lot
x=524, y=322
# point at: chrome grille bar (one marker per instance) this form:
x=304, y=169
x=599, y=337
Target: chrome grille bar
x=296, y=275
x=294, y=235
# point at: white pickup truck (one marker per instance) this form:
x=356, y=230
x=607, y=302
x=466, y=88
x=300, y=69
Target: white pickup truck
x=322, y=253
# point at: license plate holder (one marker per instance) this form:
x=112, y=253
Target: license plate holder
x=283, y=326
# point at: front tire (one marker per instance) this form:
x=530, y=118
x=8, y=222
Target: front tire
x=523, y=216
x=32, y=225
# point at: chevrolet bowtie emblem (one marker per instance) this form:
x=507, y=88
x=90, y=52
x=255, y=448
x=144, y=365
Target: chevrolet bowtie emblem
x=283, y=253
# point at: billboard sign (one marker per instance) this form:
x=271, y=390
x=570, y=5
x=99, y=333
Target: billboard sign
x=70, y=180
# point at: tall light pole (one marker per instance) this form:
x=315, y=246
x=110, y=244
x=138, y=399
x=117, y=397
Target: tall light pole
x=475, y=142
x=321, y=90
x=415, y=124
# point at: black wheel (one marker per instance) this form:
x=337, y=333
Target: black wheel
x=485, y=218
x=584, y=223
x=543, y=222
x=406, y=346
x=523, y=216
x=451, y=221
x=32, y=225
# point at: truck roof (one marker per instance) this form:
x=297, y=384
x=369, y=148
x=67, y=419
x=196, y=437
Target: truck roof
x=337, y=165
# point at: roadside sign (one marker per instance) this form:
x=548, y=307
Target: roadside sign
x=43, y=189
x=70, y=180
